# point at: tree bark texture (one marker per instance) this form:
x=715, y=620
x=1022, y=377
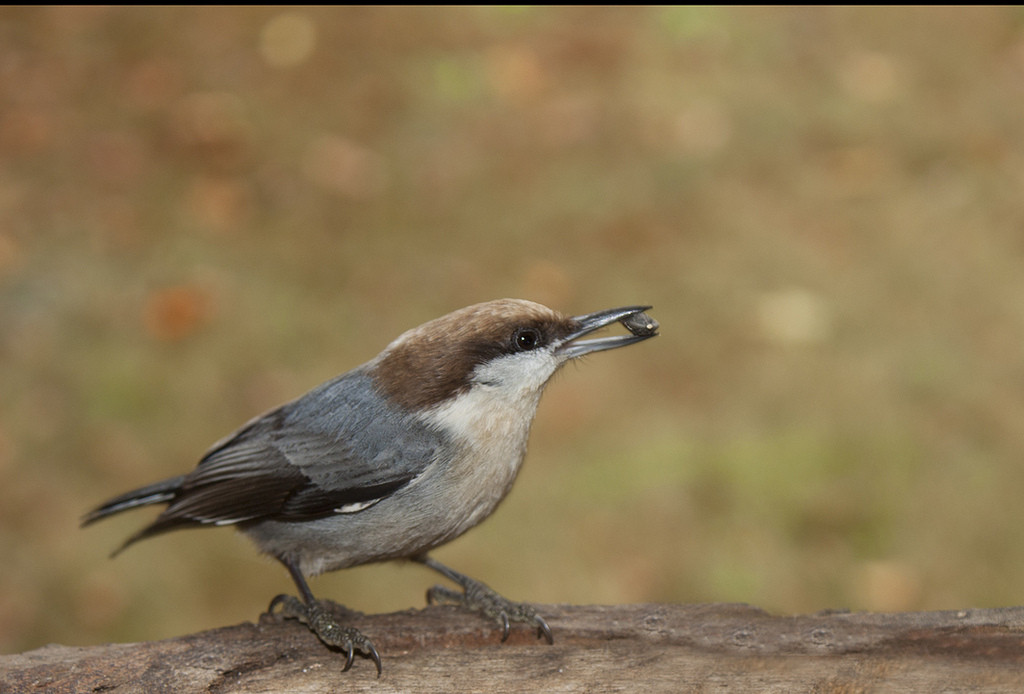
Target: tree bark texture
x=618, y=648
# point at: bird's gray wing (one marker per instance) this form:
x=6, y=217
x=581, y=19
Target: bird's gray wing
x=337, y=449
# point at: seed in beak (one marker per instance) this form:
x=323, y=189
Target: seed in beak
x=640, y=324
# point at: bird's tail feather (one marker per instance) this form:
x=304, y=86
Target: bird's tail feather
x=157, y=493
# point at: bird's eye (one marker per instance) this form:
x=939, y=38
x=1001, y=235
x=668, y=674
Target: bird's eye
x=526, y=339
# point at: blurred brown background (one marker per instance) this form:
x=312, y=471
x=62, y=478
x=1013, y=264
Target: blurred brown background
x=205, y=212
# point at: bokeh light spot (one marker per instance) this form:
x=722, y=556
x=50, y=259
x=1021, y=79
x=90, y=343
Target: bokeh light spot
x=288, y=39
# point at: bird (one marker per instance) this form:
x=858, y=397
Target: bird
x=389, y=460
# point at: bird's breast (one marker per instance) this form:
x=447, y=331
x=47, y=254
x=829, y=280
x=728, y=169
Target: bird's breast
x=490, y=435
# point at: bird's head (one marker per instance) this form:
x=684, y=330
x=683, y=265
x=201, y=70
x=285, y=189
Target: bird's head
x=508, y=348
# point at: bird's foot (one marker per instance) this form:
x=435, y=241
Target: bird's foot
x=479, y=597
x=318, y=617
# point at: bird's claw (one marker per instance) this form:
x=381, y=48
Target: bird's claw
x=321, y=622
x=478, y=597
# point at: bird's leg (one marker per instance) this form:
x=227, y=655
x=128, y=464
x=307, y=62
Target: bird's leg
x=318, y=617
x=481, y=598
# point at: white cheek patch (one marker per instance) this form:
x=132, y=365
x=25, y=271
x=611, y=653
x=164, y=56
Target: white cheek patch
x=496, y=412
x=515, y=374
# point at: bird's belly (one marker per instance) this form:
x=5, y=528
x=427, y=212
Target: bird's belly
x=454, y=493
x=441, y=504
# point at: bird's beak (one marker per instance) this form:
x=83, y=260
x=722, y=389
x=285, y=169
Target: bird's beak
x=570, y=349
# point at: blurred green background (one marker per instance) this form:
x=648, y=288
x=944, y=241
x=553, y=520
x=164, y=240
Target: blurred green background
x=205, y=212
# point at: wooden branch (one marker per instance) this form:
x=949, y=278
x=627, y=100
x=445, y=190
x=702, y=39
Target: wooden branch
x=648, y=648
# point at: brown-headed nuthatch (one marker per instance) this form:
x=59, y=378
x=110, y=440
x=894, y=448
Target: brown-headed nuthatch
x=390, y=460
